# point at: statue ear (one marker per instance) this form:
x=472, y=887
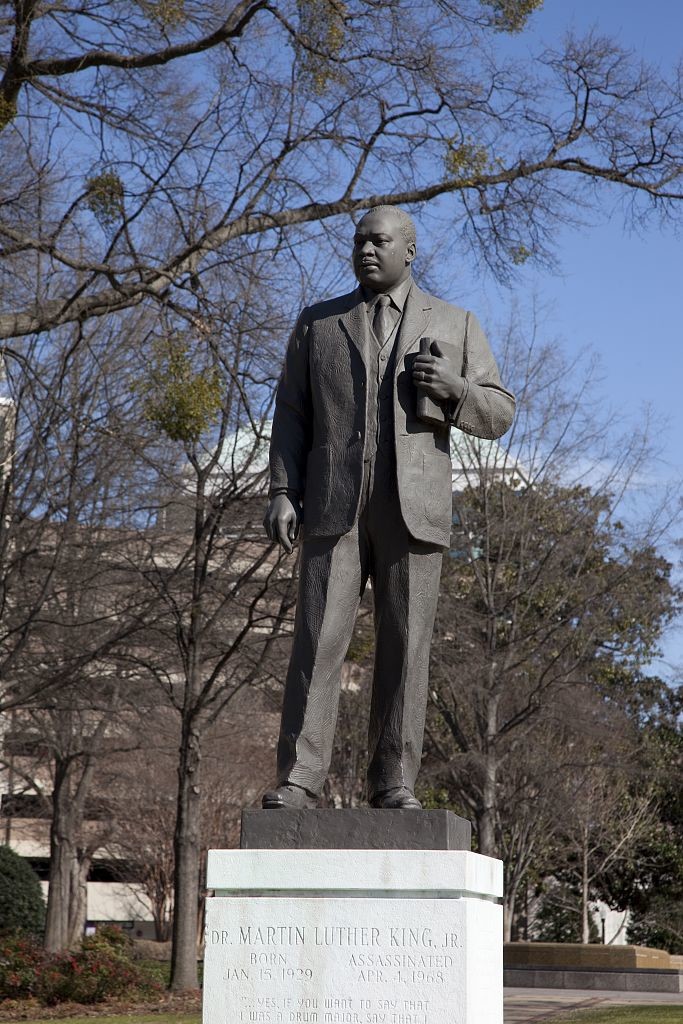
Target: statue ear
x=411, y=252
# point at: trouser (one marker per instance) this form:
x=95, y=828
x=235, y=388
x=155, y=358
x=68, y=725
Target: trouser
x=333, y=573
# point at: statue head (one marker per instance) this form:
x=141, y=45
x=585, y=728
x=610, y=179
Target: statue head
x=383, y=248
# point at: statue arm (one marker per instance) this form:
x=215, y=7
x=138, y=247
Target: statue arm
x=282, y=520
x=485, y=408
x=292, y=420
x=290, y=440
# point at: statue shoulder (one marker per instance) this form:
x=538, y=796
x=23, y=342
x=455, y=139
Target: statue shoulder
x=444, y=311
x=325, y=308
x=447, y=308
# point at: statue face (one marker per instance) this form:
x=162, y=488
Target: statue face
x=381, y=255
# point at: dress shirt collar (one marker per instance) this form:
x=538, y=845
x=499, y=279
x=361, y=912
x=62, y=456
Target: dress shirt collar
x=398, y=295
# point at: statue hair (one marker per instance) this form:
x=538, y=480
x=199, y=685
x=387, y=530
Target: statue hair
x=406, y=222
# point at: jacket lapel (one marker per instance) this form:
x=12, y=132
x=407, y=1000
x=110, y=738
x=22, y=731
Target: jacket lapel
x=416, y=317
x=354, y=322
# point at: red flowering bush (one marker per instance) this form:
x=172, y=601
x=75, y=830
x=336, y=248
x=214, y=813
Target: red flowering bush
x=101, y=969
x=21, y=962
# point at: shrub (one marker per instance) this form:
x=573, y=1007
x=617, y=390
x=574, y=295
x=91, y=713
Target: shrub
x=101, y=969
x=109, y=936
x=22, y=907
x=21, y=964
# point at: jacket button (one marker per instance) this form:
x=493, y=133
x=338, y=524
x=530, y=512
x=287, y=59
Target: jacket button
x=358, y=435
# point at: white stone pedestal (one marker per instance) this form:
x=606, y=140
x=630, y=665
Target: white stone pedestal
x=353, y=937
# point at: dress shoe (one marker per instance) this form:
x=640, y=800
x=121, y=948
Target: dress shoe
x=289, y=796
x=396, y=799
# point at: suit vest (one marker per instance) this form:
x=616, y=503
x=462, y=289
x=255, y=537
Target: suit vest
x=380, y=361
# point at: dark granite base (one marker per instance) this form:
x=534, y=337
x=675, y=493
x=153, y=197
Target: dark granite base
x=360, y=828
x=636, y=979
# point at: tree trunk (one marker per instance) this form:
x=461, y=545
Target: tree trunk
x=486, y=818
x=59, y=894
x=517, y=852
x=161, y=913
x=78, y=905
x=508, y=915
x=69, y=866
x=585, y=928
x=187, y=863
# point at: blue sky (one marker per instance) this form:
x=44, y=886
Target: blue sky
x=621, y=293
x=618, y=293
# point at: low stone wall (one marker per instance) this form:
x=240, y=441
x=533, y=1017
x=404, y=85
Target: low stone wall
x=573, y=965
x=634, y=980
x=594, y=956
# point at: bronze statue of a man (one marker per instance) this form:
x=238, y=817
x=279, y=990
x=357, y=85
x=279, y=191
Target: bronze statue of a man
x=358, y=463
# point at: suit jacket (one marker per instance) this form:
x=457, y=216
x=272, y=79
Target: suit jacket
x=318, y=437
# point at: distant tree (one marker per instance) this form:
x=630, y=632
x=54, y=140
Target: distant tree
x=558, y=915
x=601, y=820
x=546, y=599
x=142, y=795
x=222, y=596
x=69, y=600
x=658, y=920
x=656, y=908
x=515, y=626
x=142, y=142
x=134, y=552
x=78, y=733
x=22, y=907
x=650, y=885
x=60, y=477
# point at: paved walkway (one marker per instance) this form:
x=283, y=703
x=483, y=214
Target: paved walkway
x=536, y=1005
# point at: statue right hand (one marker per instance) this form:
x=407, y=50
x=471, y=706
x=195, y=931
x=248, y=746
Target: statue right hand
x=282, y=521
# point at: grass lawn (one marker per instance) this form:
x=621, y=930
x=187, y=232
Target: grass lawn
x=624, y=1015
x=127, y=1018
x=608, y=1015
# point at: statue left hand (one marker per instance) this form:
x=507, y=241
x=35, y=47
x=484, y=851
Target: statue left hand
x=434, y=374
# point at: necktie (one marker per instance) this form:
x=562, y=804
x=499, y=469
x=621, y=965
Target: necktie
x=382, y=322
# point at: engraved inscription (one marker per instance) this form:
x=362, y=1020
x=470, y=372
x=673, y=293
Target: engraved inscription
x=307, y=961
